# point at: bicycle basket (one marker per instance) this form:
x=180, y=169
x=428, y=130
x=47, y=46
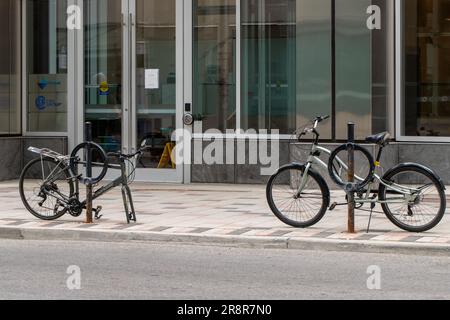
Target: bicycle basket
x=300, y=149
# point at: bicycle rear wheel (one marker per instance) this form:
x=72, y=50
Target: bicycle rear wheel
x=42, y=186
x=421, y=211
x=298, y=209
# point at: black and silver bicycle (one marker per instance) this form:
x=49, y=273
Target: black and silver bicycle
x=49, y=184
x=411, y=195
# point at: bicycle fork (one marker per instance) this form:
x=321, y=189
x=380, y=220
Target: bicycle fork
x=304, y=181
x=128, y=204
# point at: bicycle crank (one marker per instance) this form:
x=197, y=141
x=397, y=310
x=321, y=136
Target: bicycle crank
x=75, y=208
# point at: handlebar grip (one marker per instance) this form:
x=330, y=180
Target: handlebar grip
x=325, y=118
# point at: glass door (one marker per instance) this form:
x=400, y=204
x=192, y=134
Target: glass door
x=130, y=72
x=104, y=73
x=155, y=116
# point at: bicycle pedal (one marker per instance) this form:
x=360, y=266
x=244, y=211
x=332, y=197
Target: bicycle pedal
x=335, y=204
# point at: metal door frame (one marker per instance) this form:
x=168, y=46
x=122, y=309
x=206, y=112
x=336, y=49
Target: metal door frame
x=129, y=120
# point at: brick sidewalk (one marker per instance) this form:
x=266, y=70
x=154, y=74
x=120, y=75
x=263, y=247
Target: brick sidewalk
x=213, y=210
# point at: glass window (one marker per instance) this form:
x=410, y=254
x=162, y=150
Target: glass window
x=10, y=67
x=214, y=63
x=362, y=74
x=103, y=46
x=286, y=63
x=47, y=65
x=426, y=60
x=155, y=53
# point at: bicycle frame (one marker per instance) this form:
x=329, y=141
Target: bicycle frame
x=63, y=165
x=313, y=161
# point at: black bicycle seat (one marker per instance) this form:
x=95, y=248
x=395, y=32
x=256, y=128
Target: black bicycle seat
x=380, y=139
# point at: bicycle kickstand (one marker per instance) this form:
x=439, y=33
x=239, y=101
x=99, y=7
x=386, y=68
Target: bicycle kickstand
x=372, y=206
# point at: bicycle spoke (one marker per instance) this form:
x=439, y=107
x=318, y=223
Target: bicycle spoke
x=44, y=183
x=422, y=200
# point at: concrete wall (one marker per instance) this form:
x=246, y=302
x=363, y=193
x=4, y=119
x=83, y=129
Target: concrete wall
x=10, y=158
x=436, y=156
x=14, y=153
x=236, y=173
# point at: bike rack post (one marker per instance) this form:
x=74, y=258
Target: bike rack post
x=89, y=187
x=351, y=177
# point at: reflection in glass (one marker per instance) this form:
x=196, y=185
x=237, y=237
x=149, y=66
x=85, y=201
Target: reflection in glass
x=313, y=72
x=353, y=68
x=47, y=65
x=155, y=100
x=286, y=63
x=427, y=76
x=10, y=67
x=103, y=71
x=362, y=75
x=214, y=63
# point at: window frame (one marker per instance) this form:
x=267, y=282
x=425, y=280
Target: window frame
x=400, y=82
x=393, y=99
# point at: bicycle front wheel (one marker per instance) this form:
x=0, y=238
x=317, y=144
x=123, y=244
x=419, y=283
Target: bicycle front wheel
x=298, y=200
x=44, y=186
x=415, y=200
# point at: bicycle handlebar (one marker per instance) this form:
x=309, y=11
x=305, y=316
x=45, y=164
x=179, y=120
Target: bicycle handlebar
x=313, y=129
x=323, y=118
x=127, y=156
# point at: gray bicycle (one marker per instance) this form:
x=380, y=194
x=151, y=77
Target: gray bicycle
x=49, y=184
x=411, y=195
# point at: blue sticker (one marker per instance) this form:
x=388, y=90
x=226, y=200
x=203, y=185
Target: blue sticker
x=43, y=83
x=41, y=103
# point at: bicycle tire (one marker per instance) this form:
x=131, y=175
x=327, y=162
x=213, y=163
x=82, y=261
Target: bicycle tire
x=324, y=190
x=390, y=175
x=356, y=186
x=22, y=182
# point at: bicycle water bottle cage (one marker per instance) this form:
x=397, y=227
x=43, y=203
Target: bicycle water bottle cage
x=98, y=160
x=338, y=166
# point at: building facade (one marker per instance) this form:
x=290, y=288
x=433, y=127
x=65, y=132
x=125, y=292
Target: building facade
x=137, y=69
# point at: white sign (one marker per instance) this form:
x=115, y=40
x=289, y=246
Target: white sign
x=151, y=78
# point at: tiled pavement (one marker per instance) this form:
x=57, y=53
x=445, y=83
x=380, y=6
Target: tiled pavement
x=213, y=210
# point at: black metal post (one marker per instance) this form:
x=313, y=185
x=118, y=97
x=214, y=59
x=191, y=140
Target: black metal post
x=89, y=187
x=351, y=177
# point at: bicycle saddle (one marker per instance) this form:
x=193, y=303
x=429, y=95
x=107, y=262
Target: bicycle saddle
x=380, y=139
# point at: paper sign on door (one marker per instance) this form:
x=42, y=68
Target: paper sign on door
x=151, y=78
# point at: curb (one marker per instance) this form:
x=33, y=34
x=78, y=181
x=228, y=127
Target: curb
x=14, y=233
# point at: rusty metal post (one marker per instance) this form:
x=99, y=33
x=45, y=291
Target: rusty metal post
x=351, y=177
x=89, y=187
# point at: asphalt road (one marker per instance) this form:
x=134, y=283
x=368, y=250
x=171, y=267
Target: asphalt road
x=39, y=270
